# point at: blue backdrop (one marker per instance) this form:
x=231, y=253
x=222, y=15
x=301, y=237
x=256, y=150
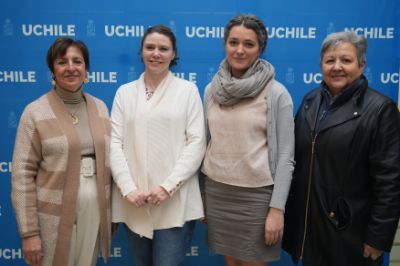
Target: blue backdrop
x=113, y=29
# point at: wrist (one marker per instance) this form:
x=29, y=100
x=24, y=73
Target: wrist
x=275, y=210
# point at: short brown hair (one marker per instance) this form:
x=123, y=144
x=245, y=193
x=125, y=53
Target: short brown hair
x=59, y=49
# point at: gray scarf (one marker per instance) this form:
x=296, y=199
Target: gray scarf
x=227, y=90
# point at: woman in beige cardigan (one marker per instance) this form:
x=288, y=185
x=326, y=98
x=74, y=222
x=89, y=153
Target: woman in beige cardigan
x=61, y=176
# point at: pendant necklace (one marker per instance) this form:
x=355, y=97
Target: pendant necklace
x=74, y=118
x=150, y=89
x=149, y=93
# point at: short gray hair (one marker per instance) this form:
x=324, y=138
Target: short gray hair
x=336, y=38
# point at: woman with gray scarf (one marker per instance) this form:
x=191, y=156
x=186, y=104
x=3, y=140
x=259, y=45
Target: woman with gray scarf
x=249, y=159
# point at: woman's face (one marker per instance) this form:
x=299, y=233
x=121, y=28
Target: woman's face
x=340, y=66
x=157, y=53
x=242, y=49
x=70, y=69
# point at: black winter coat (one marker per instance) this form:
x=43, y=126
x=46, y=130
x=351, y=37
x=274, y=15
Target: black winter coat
x=346, y=186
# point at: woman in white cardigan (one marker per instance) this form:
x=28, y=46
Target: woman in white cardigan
x=157, y=145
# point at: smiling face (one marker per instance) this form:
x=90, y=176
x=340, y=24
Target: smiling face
x=242, y=49
x=157, y=53
x=340, y=66
x=70, y=70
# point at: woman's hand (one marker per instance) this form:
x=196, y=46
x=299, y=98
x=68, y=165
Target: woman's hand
x=157, y=196
x=32, y=250
x=137, y=198
x=371, y=252
x=273, y=226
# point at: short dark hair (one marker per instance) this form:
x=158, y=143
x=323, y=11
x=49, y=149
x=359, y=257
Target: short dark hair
x=252, y=22
x=59, y=49
x=164, y=30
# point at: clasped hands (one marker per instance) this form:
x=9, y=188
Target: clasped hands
x=155, y=197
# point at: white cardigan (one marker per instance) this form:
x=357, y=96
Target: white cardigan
x=160, y=142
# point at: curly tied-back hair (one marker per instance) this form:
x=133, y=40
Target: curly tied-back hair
x=252, y=22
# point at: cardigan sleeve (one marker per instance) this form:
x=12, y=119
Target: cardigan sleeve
x=118, y=161
x=194, y=148
x=26, y=162
x=284, y=149
x=207, y=99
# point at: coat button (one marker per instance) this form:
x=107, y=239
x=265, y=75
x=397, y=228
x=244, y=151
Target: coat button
x=355, y=113
x=332, y=215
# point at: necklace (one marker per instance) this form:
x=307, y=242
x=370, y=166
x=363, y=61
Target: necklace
x=150, y=87
x=149, y=93
x=74, y=118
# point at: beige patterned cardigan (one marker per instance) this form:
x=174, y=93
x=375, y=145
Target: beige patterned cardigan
x=46, y=170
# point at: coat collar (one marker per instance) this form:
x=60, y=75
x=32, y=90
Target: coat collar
x=348, y=110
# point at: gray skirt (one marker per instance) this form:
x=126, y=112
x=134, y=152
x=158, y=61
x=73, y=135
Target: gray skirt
x=236, y=221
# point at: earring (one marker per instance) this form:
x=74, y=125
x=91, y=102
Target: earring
x=53, y=82
x=86, y=81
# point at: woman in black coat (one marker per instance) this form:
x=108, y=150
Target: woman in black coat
x=344, y=203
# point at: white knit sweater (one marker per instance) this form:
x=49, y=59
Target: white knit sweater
x=153, y=143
